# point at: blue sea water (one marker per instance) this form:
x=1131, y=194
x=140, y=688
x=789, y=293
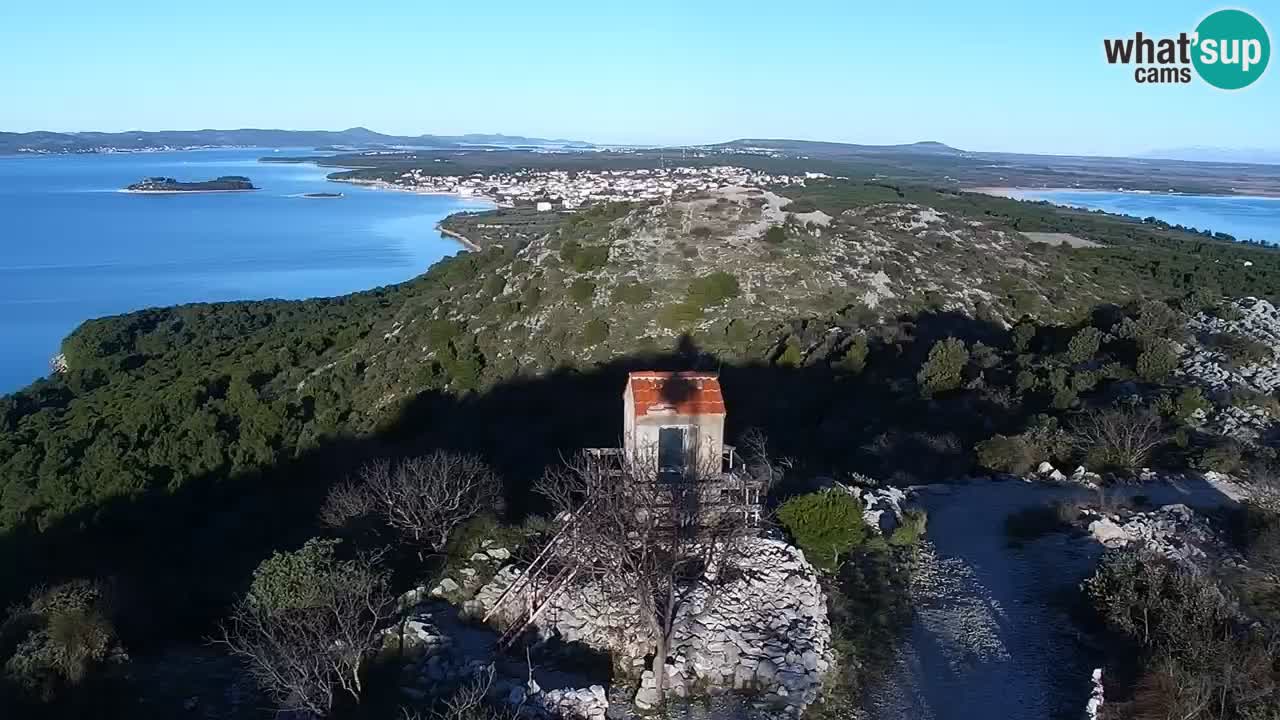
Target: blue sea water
x=1247, y=218
x=72, y=247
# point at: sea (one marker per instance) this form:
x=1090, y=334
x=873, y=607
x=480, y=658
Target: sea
x=73, y=247
x=1246, y=218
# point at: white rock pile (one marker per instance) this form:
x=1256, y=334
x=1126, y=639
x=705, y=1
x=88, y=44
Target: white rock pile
x=1257, y=320
x=765, y=630
x=1173, y=531
x=441, y=662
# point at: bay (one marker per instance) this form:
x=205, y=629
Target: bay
x=72, y=247
x=1246, y=218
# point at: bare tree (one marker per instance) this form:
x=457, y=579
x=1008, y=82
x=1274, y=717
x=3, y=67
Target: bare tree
x=765, y=470
x=346, y=502
x=1121, y=437
x=647, y=535
x=423, y=498
x=308, y=624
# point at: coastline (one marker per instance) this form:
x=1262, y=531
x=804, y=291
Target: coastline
x=384, y=185
x=183, y=192
x=459, y=237
x=1016, y=193
x=444, y=232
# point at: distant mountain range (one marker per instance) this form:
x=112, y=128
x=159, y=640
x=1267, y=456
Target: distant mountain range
x=836, y=149
x=1257, y=156
x=357, y=137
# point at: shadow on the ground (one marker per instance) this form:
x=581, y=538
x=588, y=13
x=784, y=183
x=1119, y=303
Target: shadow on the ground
x=180, y=555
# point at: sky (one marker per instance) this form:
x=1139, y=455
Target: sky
x=975, y=74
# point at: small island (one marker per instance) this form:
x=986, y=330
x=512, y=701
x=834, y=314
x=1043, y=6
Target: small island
x=323, y=195
x=226, y=183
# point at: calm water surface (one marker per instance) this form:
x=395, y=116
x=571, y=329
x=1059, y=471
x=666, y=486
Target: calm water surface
x=1247, y=218
x=72, y=247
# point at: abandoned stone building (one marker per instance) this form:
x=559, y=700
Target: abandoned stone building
x=673, y=430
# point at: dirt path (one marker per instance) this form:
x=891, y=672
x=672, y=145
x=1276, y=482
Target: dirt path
x=992, y=635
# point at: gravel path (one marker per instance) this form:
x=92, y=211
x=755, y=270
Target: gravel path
x=991, y=636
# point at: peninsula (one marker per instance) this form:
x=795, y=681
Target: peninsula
x=226, y=183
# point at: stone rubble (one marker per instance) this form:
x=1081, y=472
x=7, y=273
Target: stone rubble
x=1248, y=424
x=763, y=631
x=883, y=505
x=1173, y=531
x=1258, y=320
x=439, y=663
x=473, y=577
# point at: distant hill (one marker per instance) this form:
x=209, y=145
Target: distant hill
x=835, y=149
x=52, y=142
x=1257, y=156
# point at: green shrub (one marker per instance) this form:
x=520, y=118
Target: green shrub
x=854, y=359
x=1241, y=351
x=1025, y=380
x=803, y=205
x=590, y=258
x=1157, y=360
x=944, y=368
x=594, y=332
x=713, y=289
x=1189, y=401
x=532, y=294
x=912, y=529
x=1224, y=456
x=679, y=315
x=776, y=234
x=1005, y=454
x=632, y=293
x=1084, y=345
x=60, y=637
x=295, y=580
x=825, y=525
x=582, y=291
x=791, y=356
x=441, y=332
x=1035, y=522
x=1023, y=333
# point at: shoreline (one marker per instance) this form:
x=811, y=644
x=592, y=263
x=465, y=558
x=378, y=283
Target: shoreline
x=183, y=192
x=462, y=239
x=1014, y=193
x=384, y=185
x=444, y=232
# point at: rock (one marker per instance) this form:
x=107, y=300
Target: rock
x=480, y=557
x=1108, y=533
x=412, y=597
x=753, y=632
x=498, y=553
x=1045, y=468
x=766, y=671
x=446, y=587
x=1096, y=698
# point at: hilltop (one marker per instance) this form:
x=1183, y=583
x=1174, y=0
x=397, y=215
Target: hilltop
x=903, y=332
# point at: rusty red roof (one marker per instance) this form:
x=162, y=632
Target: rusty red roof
x=677, y=393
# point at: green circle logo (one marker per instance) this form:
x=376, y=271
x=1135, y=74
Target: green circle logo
x=1232, y=49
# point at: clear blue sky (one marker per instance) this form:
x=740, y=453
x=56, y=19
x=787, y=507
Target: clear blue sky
x=977, y=74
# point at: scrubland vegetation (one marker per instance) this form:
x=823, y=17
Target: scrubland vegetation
x=170, y=483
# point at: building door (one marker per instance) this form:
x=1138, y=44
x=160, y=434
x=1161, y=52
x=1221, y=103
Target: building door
x=672, y=457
